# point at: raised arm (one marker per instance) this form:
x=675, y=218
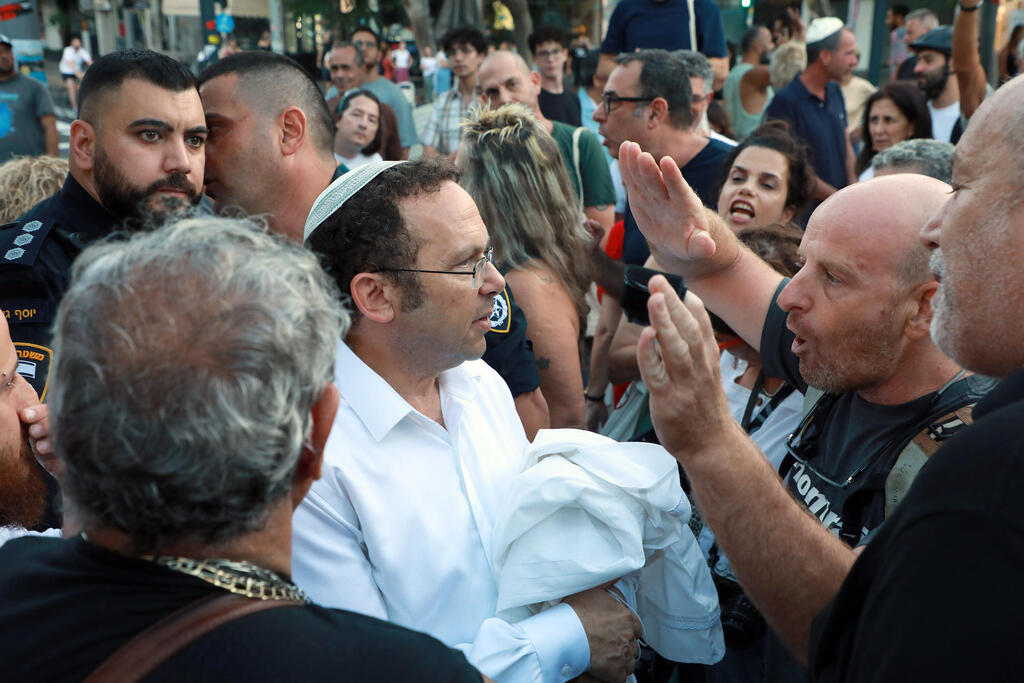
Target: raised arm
x=970, y=74
x=691, y=240
x=788, y=564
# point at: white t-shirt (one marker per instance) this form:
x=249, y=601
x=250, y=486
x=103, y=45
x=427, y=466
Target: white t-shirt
x=428, y=65
x=401, y=58
x=73, y=61
x=943, y=121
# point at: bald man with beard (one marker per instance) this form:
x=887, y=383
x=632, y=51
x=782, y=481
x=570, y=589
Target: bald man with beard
x=852, y=324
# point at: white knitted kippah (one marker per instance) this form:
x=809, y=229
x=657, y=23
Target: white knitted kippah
x=340, y=191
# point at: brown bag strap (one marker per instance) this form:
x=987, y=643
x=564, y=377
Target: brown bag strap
x=135, y=659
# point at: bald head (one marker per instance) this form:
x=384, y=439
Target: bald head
x=883, y=217
x=505, y=78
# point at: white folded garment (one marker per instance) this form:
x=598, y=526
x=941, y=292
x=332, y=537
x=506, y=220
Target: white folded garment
x=588, y=510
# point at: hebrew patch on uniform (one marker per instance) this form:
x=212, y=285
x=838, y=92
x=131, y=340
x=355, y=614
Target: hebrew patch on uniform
x=27, y=311
x=501, y=319
x=34, y=365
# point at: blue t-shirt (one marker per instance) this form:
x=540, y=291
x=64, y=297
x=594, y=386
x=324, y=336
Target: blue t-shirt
x=702, y=173
x=822, y=125
x=646, y=24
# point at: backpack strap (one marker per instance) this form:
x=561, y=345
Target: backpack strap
x=137, y=658
x=918, y=450
x=576, y=160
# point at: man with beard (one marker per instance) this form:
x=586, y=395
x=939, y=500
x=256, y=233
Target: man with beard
x=931, y=597
x=136, y=157
x=853, y=324
x=22, y=480
x=932, y=71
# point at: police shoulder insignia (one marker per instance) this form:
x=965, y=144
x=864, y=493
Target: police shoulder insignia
x=20, y=242
x=34, y=365
x=501, y=320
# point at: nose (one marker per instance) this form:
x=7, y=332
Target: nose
x=599, y=114
x=793, y=297
x=930, y=233
x=494, y=282
x=176, y=158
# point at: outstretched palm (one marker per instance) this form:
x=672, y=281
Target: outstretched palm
x=667, y=211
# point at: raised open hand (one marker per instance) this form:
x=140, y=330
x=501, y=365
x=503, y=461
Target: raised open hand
x=667, y=211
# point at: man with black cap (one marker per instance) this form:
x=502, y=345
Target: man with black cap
x=813, y=104
x=932, y=71
x=28, y=124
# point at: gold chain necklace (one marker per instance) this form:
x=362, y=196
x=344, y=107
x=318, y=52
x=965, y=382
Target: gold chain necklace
x=241, y=578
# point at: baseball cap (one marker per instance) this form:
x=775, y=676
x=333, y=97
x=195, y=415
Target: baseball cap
x=939, y=39
x=4, y=40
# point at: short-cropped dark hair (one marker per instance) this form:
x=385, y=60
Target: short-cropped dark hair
x=464, y=35
x=111, y=70
x=664, y=76
x=546, y=33
x=273, y=82
x=367, y=29
x=368, y=233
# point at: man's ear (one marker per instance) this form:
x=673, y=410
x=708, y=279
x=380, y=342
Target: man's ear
x=535, y=80
x=294, y=129
x=82, y=145
x=310, y=465
x=657, y=111
x=374, y=296
x=919, y=322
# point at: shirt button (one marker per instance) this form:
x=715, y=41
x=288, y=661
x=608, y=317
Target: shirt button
x=566, y=671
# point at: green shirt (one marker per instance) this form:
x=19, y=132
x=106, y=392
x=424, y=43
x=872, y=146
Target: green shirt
x=598, y=189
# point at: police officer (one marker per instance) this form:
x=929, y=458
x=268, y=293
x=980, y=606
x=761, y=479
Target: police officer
x=136, y=157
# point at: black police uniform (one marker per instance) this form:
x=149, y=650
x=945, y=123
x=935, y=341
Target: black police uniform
x=509, y=350
x=36, y=253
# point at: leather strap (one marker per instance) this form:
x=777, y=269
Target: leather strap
x=142, y=654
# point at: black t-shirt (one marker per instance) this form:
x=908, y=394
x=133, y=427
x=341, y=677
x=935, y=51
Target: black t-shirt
x=858, y=439
x=65, y=606
x=935, y=596
x=563, y=106
x=702, y=173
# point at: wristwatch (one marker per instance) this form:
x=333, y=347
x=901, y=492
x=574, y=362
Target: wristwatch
x=964, y=8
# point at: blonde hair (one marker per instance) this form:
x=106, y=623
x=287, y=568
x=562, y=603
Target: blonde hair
x=26, y=181
x=513, y=170
x=788, y=60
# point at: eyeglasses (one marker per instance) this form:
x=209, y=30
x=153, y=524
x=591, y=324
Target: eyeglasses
x=479, y=268
x=364, y=43
x=608, y=99
x=547, y=54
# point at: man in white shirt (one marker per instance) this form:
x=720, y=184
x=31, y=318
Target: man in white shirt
x=427, y=437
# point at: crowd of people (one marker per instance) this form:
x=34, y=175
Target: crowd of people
x=648, y=368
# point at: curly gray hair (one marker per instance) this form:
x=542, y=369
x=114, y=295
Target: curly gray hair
x=928, y=157
x=186, y=365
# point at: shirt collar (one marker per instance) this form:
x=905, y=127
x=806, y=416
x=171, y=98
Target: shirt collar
x=86, y=215
x=376, y=403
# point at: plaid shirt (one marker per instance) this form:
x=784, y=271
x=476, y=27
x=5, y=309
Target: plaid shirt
x=443, y=131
